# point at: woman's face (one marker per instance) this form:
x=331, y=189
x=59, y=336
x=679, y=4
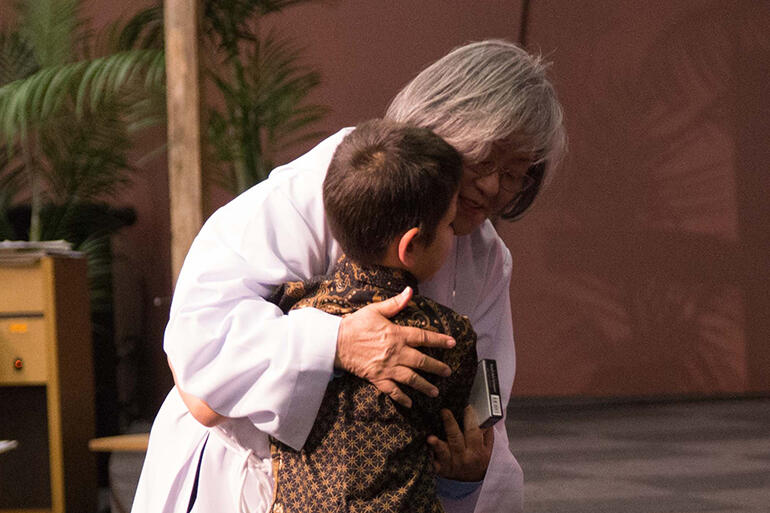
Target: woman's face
x=482, y=191
x=432, y=256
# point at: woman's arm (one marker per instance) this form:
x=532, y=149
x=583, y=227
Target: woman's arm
x=232, y=349
x=237, y=352
x=200, y=411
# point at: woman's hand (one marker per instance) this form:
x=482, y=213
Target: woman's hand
x=375, y=349
x=464, y=456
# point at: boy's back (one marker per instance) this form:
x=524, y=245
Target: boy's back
x=366, y=453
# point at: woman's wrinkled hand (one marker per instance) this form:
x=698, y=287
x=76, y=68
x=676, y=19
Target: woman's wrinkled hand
x=375, y=349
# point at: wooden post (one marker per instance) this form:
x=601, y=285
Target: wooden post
x=183, y=87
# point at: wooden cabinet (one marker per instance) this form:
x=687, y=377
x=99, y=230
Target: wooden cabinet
x=46, y=385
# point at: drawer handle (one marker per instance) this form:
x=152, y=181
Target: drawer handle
x=18, y=364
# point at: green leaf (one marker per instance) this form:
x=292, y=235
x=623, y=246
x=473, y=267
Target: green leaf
x=17, y=59
x=49, y=27
x=34, y=99
x=265, y=108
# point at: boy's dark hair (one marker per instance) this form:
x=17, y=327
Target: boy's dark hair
x=384, y=178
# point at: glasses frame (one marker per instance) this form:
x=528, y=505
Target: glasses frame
x=524, y=198
x=502, y=174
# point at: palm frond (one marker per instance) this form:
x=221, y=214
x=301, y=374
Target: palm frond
x=88, y=161
x=283, y=86
x=227, y=23
x=50, y=28
x=11, y=184
x=294, y=129
x=78, y=221
x=265, y=109
x=142, y=31
x=145, y=112
x=39, y=97
x=17, y=59
x=107, y=76
x=250, y=7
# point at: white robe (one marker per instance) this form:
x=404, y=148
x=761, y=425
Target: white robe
x=243, y=357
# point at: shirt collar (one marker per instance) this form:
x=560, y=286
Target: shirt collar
x=373, y=275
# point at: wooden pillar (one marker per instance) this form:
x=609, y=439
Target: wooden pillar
x=183, y=90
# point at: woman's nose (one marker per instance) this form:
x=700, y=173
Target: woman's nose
x=489, y=184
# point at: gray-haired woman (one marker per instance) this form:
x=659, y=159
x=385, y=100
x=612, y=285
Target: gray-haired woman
x=248, y=371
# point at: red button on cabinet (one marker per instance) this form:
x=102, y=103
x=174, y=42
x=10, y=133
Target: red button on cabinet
x=23, y=353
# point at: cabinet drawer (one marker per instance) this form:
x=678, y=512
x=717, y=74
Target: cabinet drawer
x=23, y=351
x=21, y=288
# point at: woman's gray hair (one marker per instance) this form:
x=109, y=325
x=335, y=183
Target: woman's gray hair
x=482, y=93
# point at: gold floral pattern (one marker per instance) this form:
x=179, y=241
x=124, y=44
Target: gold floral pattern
x=365, y=453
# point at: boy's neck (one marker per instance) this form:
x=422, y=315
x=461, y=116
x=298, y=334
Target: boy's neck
x=392, y=261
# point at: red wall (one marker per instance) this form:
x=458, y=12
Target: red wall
x=644, y=269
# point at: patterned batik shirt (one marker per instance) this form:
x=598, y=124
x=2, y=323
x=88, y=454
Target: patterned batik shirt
x=366, y=453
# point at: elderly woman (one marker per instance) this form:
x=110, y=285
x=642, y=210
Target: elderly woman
x=266, y=373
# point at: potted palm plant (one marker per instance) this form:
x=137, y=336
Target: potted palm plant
x=70, y=100
x=260, y=91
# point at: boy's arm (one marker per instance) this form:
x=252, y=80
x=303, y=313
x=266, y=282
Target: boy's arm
x=464, y=454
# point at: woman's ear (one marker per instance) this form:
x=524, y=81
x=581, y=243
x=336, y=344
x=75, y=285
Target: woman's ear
x=406, y=247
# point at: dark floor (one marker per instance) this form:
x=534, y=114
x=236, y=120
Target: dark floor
x=673, y=457
x=646, y=457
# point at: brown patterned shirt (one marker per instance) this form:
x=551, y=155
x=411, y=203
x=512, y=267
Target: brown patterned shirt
x=365, y=453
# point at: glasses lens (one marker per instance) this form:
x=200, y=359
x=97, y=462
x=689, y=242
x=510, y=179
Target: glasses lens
x=527, y=194
x=519, y=184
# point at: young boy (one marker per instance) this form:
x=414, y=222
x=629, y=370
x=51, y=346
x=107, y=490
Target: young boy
x=390, y=197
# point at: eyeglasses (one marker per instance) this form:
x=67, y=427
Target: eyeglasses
x=509, y=181
x=523, y=199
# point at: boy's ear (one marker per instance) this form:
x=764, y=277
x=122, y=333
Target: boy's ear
x=406, y=246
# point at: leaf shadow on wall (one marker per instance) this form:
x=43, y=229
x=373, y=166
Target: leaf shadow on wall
x=651, y=258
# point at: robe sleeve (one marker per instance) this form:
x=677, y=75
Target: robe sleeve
x=231, y=347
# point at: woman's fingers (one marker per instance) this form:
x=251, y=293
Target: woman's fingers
x=417, y=337
x=414, y=359
x=489, y=438
x=371, y=347
x=477, y=439
x=392, y=306
x=367, y=341
x=414, y=337
x=409, y=377
x=389, y=388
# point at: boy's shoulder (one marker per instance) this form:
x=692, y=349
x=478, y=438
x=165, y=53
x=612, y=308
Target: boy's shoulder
x=340, y=294
x=321, y=292
x=423, y=312
x=426, y=313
